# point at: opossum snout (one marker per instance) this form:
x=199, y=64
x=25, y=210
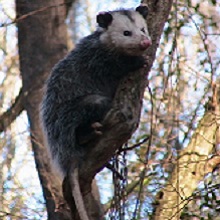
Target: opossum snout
x=144, y=44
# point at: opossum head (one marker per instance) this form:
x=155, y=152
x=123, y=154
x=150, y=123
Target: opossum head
x=125, y=31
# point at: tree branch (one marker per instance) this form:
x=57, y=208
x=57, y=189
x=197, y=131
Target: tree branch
x=66, y=3
x=192, y=165
x=123, y=118
x=13, y=112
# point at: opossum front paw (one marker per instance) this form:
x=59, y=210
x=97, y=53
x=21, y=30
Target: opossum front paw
x=88, y=134
x=97, y=126
x=146, y=60
x=141, y=62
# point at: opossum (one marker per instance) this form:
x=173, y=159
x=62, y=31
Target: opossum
x=80, y=90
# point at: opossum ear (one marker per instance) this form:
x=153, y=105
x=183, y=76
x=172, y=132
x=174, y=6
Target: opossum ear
x=104, y=19
x=143, y=10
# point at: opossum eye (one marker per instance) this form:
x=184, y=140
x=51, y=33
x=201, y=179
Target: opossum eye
x=127, y=33
x=143, y=30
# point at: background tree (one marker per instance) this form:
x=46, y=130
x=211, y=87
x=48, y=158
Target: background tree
x=167, y=161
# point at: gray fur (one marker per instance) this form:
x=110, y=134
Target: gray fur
x=80, y=91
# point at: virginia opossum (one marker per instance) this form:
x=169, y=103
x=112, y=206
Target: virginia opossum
x=81, y=87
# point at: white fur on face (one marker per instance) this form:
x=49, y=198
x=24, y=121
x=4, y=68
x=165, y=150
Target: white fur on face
x=114, y=36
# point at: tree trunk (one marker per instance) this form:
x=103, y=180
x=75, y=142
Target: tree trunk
x=42, y=42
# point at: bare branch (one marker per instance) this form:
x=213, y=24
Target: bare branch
x=67, y=3
x=13, y=112
x=193, y=164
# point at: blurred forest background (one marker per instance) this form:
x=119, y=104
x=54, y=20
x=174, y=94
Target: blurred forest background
x=172, y=168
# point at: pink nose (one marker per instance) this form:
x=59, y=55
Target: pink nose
x=145, y=44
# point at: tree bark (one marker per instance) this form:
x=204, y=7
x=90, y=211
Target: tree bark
x=42, y=42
